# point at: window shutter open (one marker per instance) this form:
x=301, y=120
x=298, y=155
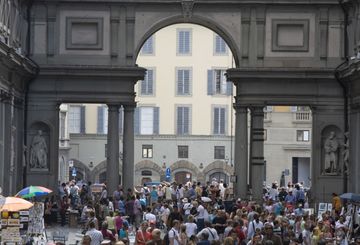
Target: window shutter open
x=222, y=120
x=229, y=88
x=210, y=82
x=156, y=120
x=137, y=121
x=150, y=81
x=186, y=120
x=179, y=120
x=186, y=82
x=100, y=120
x=216, y=120
x=82, y=119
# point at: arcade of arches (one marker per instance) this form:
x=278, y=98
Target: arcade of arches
x=284, y=54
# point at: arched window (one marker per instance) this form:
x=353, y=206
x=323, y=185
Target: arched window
x=219, y=176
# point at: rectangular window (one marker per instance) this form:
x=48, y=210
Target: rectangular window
x=183, y=81
x=147, y=151
x=219, y=152
x=76, y=119
x=302, y=135
x=182, y=120
x=220, y=45
x=102, y=121
x=218, y=84
x=146, y=120
x=148, y=47
x=183, y=41
x=147, y=85
x=183, y=151
x=219, y=120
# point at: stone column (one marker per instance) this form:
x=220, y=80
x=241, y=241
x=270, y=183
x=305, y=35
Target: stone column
x=241, y=151
x=112, y=166
x=354, y=166
x=128, y=148
x=257, y=152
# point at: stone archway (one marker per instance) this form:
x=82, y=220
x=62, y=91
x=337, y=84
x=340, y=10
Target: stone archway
x=189, y=166
x=146, y=171
x=217, y=166
x=83, y=169
x=99, y=169
x=215, y=24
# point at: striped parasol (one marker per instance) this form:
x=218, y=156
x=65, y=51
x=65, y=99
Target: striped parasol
x=33, y=191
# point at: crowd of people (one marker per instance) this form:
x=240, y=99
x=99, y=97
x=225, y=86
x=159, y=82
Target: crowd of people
x=203, y=214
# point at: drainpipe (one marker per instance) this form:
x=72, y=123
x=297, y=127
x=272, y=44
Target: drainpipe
x=343, y=5
x=26, y=92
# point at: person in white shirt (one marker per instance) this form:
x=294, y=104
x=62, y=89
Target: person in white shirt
x=173, y=233
x=213, y=235
x=149, y=216
x=200, y=215
x=191, y=227
x=253, y=225
x=96, y=235
x=186, y=207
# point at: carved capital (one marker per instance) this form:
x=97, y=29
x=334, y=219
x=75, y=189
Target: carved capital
x=187, y=8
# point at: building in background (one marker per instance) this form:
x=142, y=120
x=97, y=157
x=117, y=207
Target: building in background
x=184, y=120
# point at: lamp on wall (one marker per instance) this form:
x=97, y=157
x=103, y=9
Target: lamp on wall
x=201, y=165
x=91, y=164
x=164, y=165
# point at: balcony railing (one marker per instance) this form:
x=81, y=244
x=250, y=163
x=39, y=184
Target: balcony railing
x=302, y=116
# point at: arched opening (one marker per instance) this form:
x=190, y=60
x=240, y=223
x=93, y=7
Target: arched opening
x=185, y=101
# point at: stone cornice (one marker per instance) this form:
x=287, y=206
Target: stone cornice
x=14, y=61
x=279, y=73
x=109, y=72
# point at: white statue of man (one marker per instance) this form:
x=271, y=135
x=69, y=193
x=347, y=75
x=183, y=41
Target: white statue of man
x=38, y=152
x=331, y=147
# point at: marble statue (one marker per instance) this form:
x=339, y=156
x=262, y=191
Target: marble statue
x=38, y=152
x=331, y=147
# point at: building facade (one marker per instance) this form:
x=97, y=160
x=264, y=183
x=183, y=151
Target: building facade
x=285, y=54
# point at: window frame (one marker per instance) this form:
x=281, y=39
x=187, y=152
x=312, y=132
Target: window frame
x=147, y=151
x=184, y=149
x=225, y=107
x=301, y=138
x=178, y=52
x=217, y=148
x=153, y=70
x=176, y=118
x=216, y=52
x=177, y=69
x=152, y=53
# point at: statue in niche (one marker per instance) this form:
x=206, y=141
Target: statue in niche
x=346, y=153
x=38, y=152
x=331, y=147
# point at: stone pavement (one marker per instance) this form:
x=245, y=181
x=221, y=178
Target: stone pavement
x=56, y=233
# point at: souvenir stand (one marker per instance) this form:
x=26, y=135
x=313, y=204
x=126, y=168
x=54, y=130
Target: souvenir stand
x=36, y=227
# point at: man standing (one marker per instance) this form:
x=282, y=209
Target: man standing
x=270, y=236
x=96, y=236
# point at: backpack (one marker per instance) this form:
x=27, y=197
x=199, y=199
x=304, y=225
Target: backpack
x=166, y=237
x=300, y=238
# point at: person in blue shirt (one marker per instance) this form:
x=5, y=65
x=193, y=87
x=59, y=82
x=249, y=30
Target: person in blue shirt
x=290, y=198
x=204, y=239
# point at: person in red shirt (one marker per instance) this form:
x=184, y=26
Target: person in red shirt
x=142, y=236
x=237, y=228
x=107, y=234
